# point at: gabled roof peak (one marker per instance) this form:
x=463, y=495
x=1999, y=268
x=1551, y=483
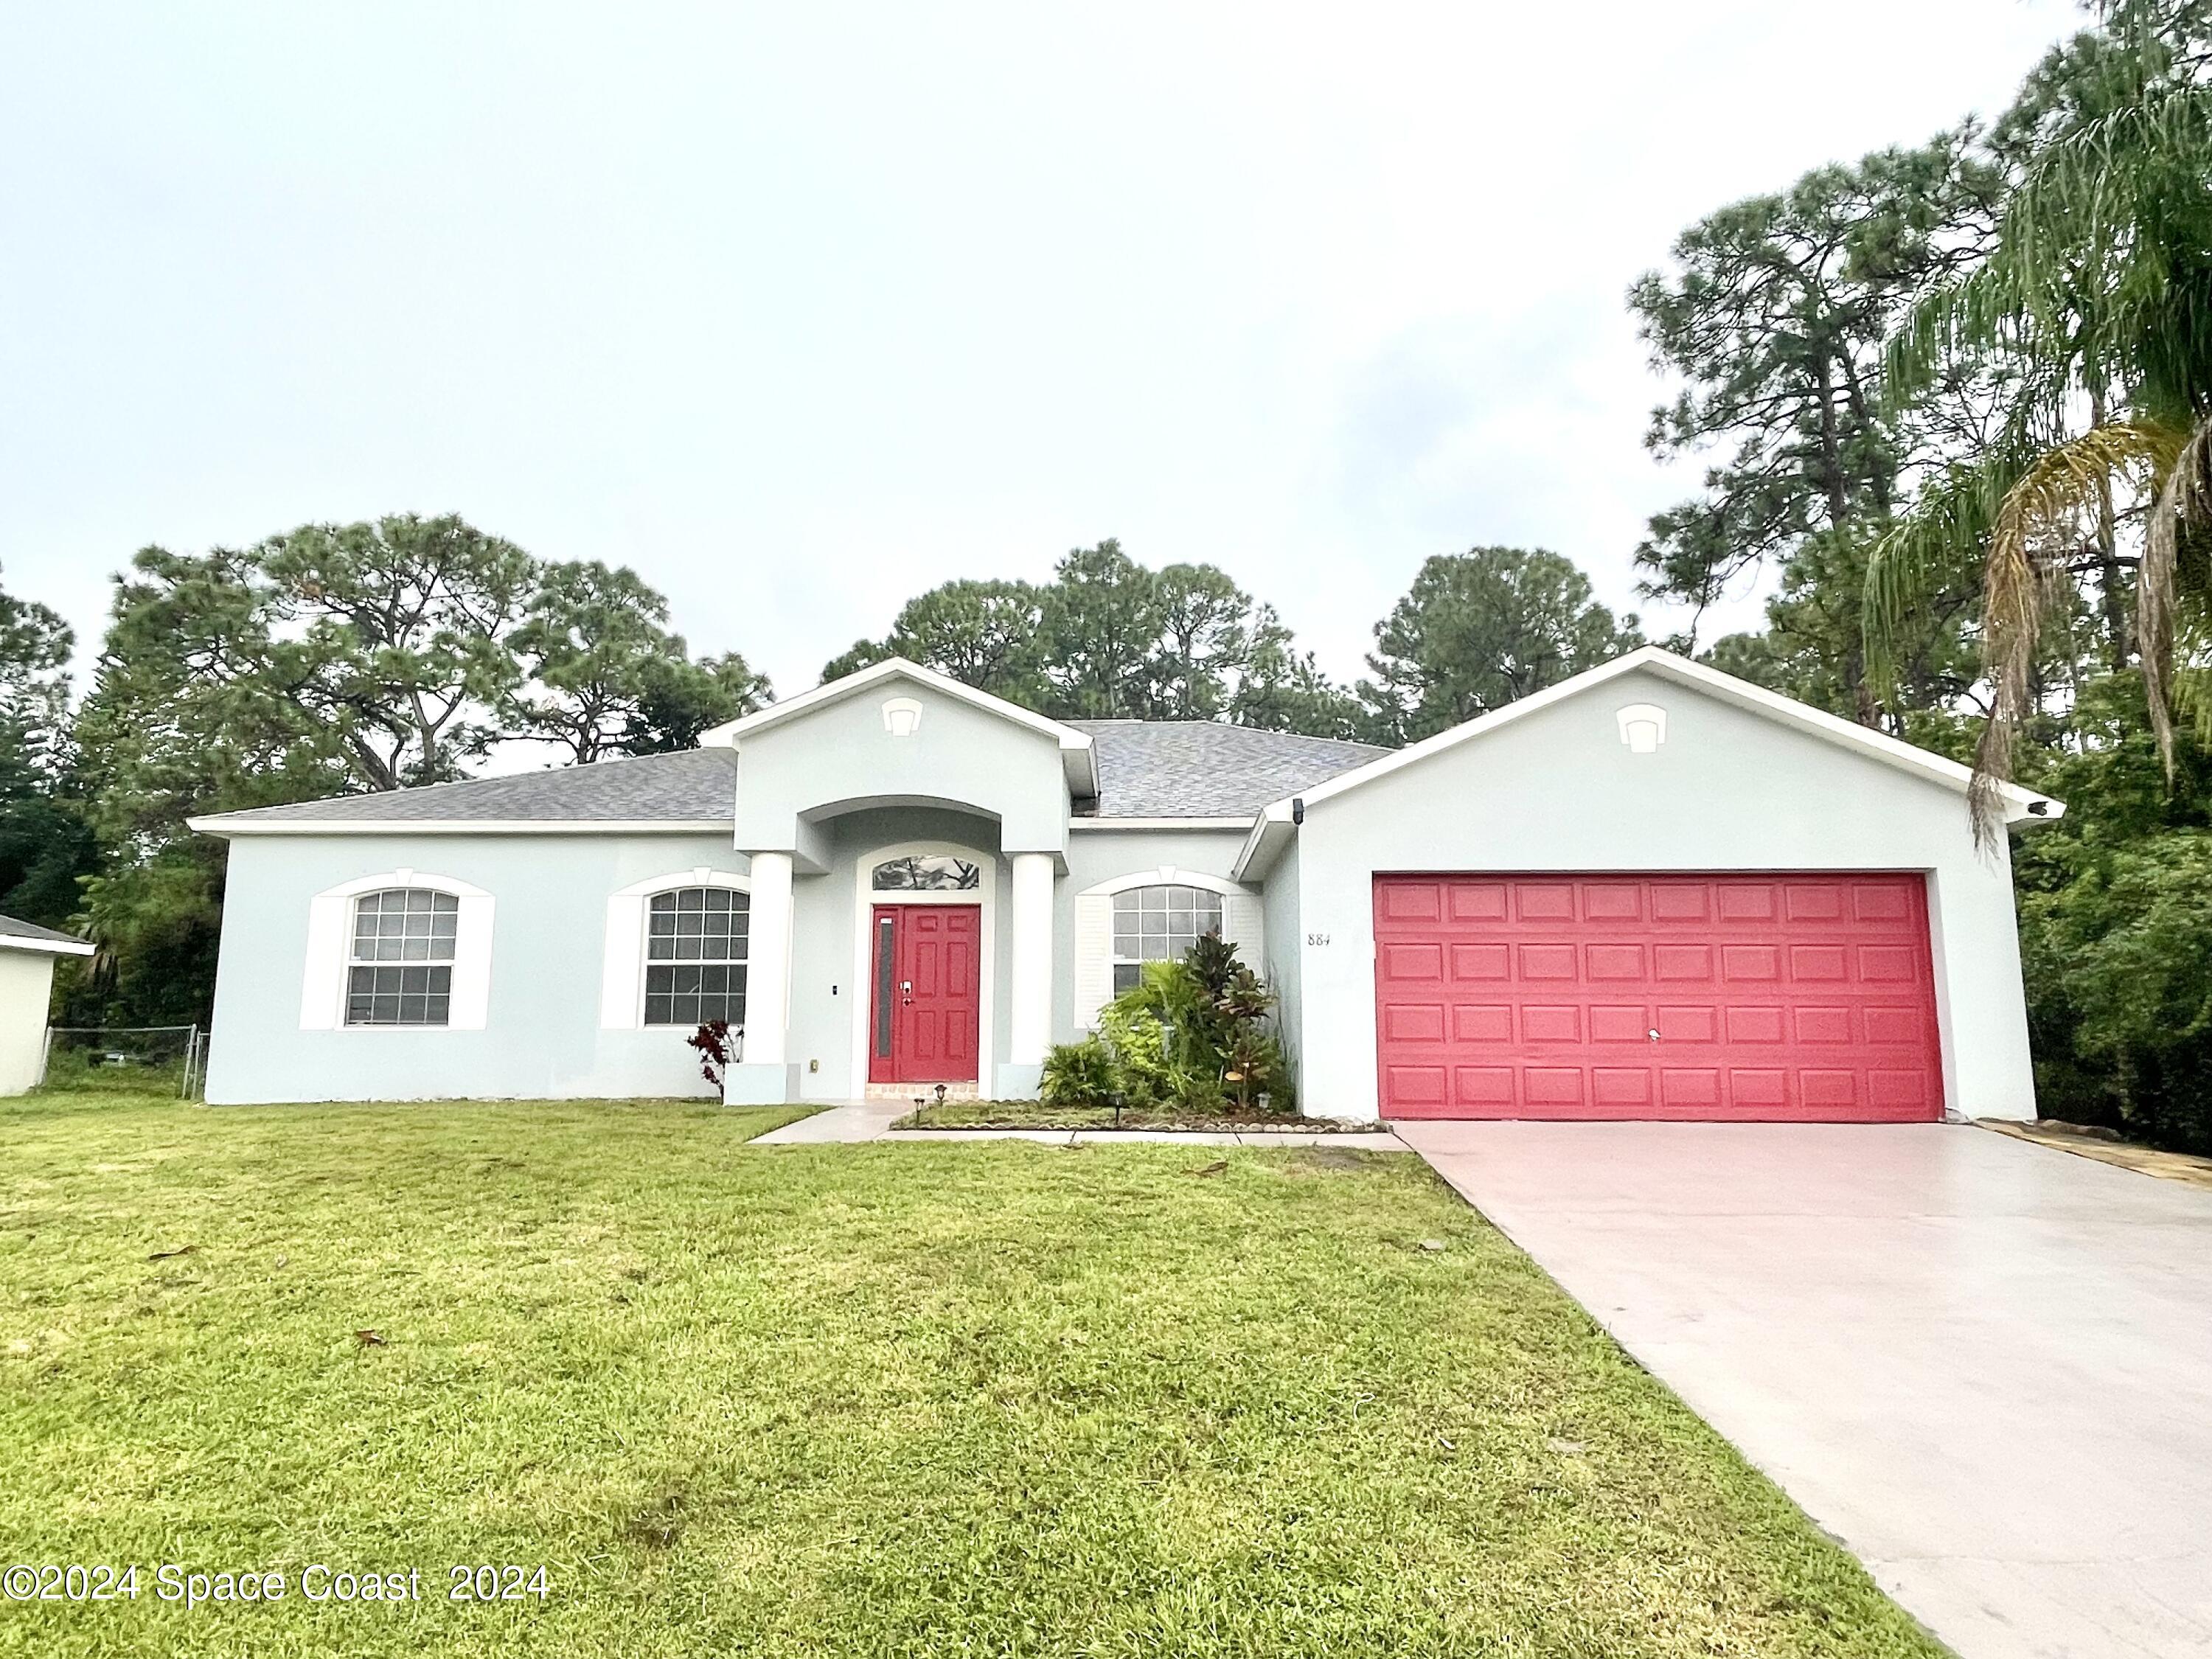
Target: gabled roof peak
x=1074, y=745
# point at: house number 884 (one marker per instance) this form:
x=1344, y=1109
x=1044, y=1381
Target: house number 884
x=1317, y=939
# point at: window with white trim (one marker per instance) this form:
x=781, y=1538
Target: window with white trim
x=695, y=956
x=1157, y=924
x=399, y=967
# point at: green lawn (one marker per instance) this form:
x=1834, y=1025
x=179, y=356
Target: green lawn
x=896, y=1399
x=1036, y=1114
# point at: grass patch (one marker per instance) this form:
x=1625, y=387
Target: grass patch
x=1036, y=1114
x=892, y=1399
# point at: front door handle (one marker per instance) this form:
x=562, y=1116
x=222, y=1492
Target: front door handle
x=906, y=989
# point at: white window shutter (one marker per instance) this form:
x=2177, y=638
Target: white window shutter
x=1094, y=956
x=1243, y=926
x=623, y=966
x=322, y=982
x=472, y=999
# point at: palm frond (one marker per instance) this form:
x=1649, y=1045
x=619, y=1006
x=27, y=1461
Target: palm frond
x=2184, y=503
x=1949, y=524
x=2036, y=524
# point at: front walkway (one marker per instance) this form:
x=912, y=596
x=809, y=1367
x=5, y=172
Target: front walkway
x=872, y=1120
x=1984, y=1365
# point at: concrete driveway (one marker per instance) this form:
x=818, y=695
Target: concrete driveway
x=1984, y=1365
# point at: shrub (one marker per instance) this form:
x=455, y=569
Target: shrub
x=1192, y=1034
x=718, y=1051
x=1079, y=1074
x=2118, y=963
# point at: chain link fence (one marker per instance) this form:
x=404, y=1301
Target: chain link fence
x=137, y=1060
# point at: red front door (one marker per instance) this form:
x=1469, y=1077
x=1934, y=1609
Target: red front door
x=927, y=988
x=1806, y=996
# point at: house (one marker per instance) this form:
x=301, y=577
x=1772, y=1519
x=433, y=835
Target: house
x=1651, y=891
x=27, y=987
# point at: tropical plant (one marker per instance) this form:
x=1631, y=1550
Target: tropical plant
x=717, y=1043
x=2097, y=295
x=1192, y=1033
x=1081, y=1073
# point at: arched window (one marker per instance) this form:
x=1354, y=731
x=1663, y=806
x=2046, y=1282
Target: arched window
x=695, y=956
x=399, y=968
x=1158, y=923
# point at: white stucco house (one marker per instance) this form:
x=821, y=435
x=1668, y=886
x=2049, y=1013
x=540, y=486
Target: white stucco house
x=27, y=953
x=1653, y=891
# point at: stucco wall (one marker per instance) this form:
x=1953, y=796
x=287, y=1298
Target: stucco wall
x=1285, y=957
x=826, y=948
x=1728, y=790
x=841, y=753
x=1099, y=855
x=541, y=1037
x=26, y=985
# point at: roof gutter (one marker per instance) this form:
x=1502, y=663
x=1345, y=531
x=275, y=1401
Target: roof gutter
x=1272, y=833
x=225, y=824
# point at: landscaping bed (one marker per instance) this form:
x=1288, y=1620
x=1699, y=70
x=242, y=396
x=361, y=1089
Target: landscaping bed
x=1002, y=1398
x=1036, y=1114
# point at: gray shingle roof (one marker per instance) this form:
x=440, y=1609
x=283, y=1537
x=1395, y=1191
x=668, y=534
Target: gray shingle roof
x=692, y=785
x=11, y=928
x=1146, y=769
x=1202, y=769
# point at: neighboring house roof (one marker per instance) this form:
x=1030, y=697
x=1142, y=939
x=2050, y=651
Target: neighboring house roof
x=1203, y=769
x=29, y=936
x=691, y=789
x=1180, y=770
x=1275, y=825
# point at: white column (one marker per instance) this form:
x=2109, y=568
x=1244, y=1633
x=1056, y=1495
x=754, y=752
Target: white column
x=768, y=960
x=1031, y=1005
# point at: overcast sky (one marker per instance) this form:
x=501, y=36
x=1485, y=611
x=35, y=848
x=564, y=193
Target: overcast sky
x=801, y=309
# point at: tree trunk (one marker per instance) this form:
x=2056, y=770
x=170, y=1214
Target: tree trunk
x=2119, y=623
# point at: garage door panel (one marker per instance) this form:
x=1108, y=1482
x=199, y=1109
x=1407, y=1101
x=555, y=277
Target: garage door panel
x=1698, y=1022
x=1415, y=1087
x=1763, y=1092
x=1888, y=1027
x=1543, y=900
x=1418, y=964
x=1483, y=1089
x=1887, y=964
x=1625, y=1086
x=1413, y=901
x=1477, y=901
x=1477, y=963
x=1803, y=995
x=1612, y=963
x=1751, y=964
x=1552, y=1085
x=1551, y=1022
x=1820, y=964
x=1689, y=1088
x=1819, y=1024
x=1483, y=1022
x=1613, y=901
x=1683, y=964
x=1619, y=1023
x=1546, y=962
x=1413, y=1022
x=1756, y=1024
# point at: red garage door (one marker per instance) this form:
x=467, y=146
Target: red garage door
x=1806, y=996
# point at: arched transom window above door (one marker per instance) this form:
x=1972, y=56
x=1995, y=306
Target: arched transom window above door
x=925, y=873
